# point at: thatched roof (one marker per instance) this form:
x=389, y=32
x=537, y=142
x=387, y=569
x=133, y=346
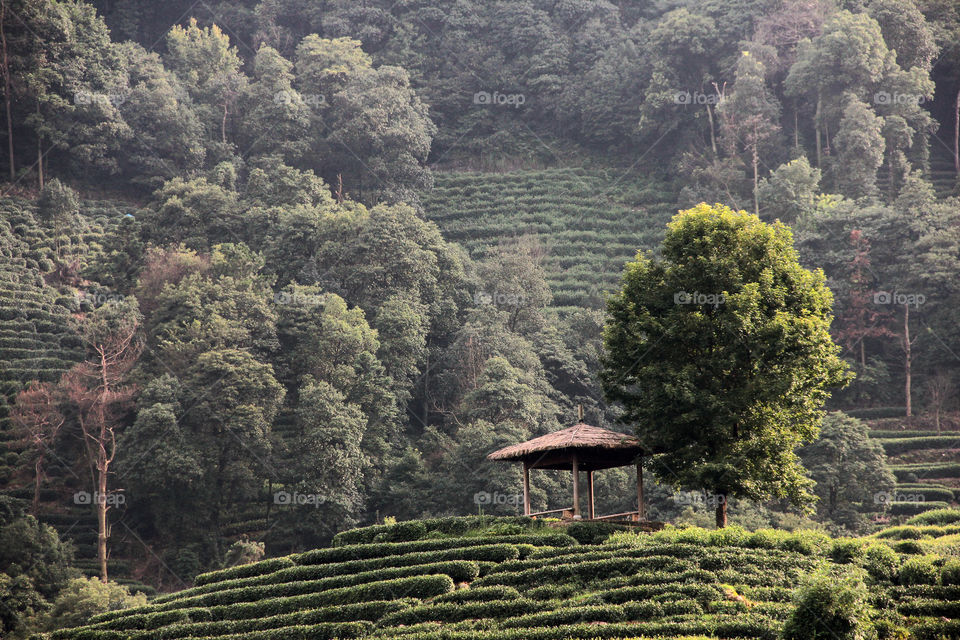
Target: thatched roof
x=594, y=447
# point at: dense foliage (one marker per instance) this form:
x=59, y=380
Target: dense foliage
x=273, y=269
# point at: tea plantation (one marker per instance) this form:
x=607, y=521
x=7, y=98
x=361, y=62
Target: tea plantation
x=925, y=463
x=589, y=222
x=512, y=578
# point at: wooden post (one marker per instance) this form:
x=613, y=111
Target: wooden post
x=576, y=486
x=641, y=511
x=590, y=494
x=526, y=488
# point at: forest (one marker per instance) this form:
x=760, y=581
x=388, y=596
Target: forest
x=276, y=269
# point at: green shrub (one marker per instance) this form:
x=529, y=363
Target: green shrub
x=379, y=550
x=847, y=551
x=937, y=516
x=244, y=571
x=881, y=562
x=479, y=594
x=455, y=611
x=909, y=547
x=912, y=508
x=874, y=413
x=84, y=597
x=921, y=570
x=827, y=607
x=567, y=615
x=950, y=572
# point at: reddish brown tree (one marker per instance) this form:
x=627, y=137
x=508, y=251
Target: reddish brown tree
x=860, y=319
x=36, y=415
x=97, y=389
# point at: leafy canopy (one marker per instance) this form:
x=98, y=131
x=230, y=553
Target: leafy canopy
x=719, y=352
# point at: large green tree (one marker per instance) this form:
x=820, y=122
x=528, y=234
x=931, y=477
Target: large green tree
x=720, y=354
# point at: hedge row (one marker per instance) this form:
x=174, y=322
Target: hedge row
x=484, y=554
x=899, y=446
x=926, y=492
x=623, y=595
x=938, y=517
x=245, y=570
x=321, y=631
x=479, y=594
x=415, y=529
x=741, y=626
x=806, y=542
x=459, y=570
x=567, y=616
x=359, y=552
x=874, y=413
x=914, y=508
x=581, y=571
x=415, y=587
x=926, y=470
x=455, y=611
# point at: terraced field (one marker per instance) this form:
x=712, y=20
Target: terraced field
x=513, y=579
x=926, y=463
x=588, y=222
x=38, y=341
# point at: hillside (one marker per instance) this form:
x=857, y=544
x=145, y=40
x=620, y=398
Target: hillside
x=924, y=462
x=39, y=341
x=588, y=222
x=512, y=578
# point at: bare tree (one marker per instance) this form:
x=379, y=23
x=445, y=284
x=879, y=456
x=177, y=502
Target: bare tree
x=36, y=414
x=940, y=388
x=96, y=387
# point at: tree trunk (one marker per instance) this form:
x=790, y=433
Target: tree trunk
x=101, y=498
x=6, y=88
x=39, y=154
x=713, y=136
x=103, y=467
x=756, y=181
x=722, y=512
x=906, y=359
x=816, y=122
x=956, y=134
x=38, y=472
x=796, y=129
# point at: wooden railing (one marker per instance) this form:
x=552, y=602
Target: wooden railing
x=565, y=513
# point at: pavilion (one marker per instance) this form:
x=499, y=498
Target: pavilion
x=578, y=448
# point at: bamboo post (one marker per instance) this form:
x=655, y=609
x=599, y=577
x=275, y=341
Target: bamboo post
x=576, y=486
x=590, y=494
x=526, y=488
